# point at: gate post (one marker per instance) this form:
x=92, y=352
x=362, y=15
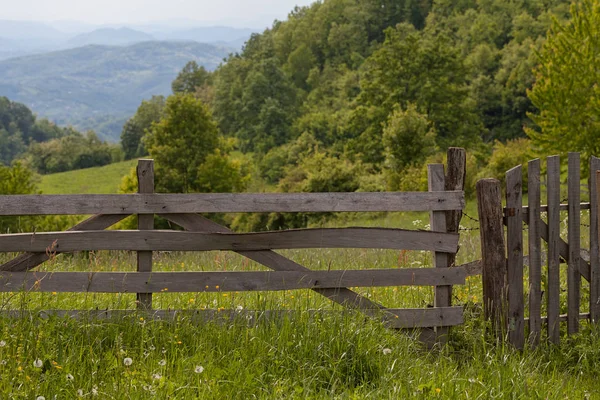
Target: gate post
x=493, y=259
x=145, y=175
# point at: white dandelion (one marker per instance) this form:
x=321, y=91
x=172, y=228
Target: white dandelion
x=387, y=351
x=70, y=377
x=95, y=391
x=80, y=392
x=38, y=363
x=198, y=369
x=156, y=376
x=162, y=362
x=2, y=343
x=127, y=361
x=40, y=398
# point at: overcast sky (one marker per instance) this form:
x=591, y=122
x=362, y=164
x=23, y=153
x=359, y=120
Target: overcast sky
x=251, y=13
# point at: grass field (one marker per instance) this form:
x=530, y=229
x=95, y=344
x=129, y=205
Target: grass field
x=97, y=180
x=332, y=355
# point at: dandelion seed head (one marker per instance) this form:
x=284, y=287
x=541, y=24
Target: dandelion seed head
x=387, y=351
x=70, y=377
x=162, y=362
x=156, y=376
x=80, y=392
x=127, y=361
x=38, y=363
x=2, y=343
x=40, y=398
x=199, y=369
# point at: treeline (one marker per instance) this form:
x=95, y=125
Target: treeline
x=45, y=147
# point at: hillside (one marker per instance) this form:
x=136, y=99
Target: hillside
x=97, y=180
x=110, y=37
x=95, y=81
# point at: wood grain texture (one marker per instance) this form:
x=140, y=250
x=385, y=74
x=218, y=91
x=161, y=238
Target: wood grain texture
x=594, y=279
x=393, y=318
x=273, y=260
x=437, y=220
x=167, y=240
x=535, y=251
x=28, y=261
x=229, y=202
x=553, y=195
x=563, y=250
x=156, y=282
x=574, y=240
x=493, y=259
x=145, y=177
x=514, y=238
x=455, y=180
x=562, y=207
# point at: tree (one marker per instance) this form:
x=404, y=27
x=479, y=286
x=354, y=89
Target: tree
x=567, y=88
x=149, y=112
x=180, y=143
x=16, y=180
x=190, y=78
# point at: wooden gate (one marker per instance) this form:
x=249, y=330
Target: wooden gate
x=202, y=234
x=566, y=261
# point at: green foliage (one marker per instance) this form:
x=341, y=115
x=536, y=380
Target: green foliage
x=149, y=112
x=506, y=156
x=408, y=138
x=567, y=89
x=191, y=77
x=16, y=180
x=220, y=174
x=71, y=151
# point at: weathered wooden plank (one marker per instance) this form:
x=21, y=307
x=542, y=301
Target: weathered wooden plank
x=145, y=176
x=229, y=202
x=553, y=193
x=455, y=180
x=437, y=220
x=562, y=207
x=28, y=261
x=493, y=259
x=535, y=251
x=394, y=318
x=563, y=317
x=166, y=240
x=514, y=238
x=273, y=260
x=156, y=282
x=563, y=250
x=594, y=280
x=574, y=239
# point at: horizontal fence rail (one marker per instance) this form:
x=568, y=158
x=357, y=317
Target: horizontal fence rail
x=396, y=318
x=156, y=240
x=156, y=282
x=229, y=202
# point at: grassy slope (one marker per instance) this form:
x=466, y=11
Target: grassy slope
x=98, y=180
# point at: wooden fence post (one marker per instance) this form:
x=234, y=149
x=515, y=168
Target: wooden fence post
x=535, y=251
x=594, y=253
x=493, y=259
x=437, y=220
x=145, y=175
x=514, y=238
x=574, y=238
x=455, y=180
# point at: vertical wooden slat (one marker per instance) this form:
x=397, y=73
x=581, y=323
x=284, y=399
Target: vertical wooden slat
x=594, y=254
x=437, y=220
x=553, y=176
x=574, y=239
x=493, y=259
x=535, y=249
x=455, y=180
x=145, y=175
x=514, y=235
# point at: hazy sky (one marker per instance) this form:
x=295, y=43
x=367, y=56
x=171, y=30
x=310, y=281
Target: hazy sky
x=252, y=13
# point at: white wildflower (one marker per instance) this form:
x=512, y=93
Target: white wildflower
x=162, y=362
x=156, y=376
x=40, y=398
x=70, y=377
x=387, y=351
x=80, y=392
x=38, y=363
x=199, y=369
x=95, y=390
x=2, y=343
x=239, y=308
x=127, y=361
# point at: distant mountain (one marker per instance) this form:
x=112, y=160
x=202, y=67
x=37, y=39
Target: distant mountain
x=93, y=82
x=207, y=34
x=110, y=37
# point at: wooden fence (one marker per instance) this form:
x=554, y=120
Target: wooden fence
x=201, y=234
x=503, y=276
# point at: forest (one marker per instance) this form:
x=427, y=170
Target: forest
x=356, y=95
